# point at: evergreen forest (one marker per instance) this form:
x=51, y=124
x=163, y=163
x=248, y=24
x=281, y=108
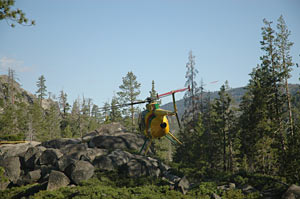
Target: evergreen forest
x=255, y=140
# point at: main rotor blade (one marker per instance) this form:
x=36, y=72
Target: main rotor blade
x=129, y=104
x=171, y=92
x=122, y=105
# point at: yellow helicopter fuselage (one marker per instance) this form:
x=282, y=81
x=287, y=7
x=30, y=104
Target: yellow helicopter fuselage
x=154, y=122
x=157, y=124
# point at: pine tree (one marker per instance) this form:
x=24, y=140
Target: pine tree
x=42, y=89
x=106, y=113
x=285, y=63
x=75, y=119
x=130, y=90
x=53, y=122
x=11, y=84
x=95, y=119
x=262, y=119
x=201, y=92
x=96, y=114
x=38, y=123
x=189, y=97
x=84, y=116
x=222, y=125
x=115, y=113
x=153, y=93
x=7, y=120
x=7, y=13
x=63, y=103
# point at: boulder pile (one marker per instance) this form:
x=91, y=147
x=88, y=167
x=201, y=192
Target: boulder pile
x=62, y=162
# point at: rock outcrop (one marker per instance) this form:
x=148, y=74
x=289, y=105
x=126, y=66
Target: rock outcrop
x=62, y=162
x=293, y=192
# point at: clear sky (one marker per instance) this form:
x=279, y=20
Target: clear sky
x=85, y=47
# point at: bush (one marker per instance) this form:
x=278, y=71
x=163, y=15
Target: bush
x=240, y=180
x=233, y=194
x=13, y=137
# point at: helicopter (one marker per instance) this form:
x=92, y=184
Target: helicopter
x=153, y=121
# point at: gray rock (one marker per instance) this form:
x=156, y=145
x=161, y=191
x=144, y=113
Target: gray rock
x=111, y=129
x=134, y=168
x=31, y=156
x=4, y=184
x=60, y=143
x=92, y=153
x=246, y=189
x=64, y=162
x=79, y=155
x=50, y=157
x=153, y=161
x=183, y=185
x=45, y=169
x=120, y=157
x=12, y=167
x=124, y=141
x=57, y=179
x=109, y=142
x=32, y=176
x=231, y=185
x=163, y=167
x=293, y=192
x=171, y=178
x=10, y=150
x=134, y=140
x=215, y=196
x=141, y=166
x=73, y=148
x=103, y=162
x=89, y=136
x=81, y=170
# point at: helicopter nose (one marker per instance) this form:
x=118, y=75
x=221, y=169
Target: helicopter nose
x=163, y=125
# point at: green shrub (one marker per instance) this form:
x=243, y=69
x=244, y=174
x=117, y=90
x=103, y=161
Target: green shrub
x=12, y=137
x=2, y=176
x=233, y=194
x=240, y=180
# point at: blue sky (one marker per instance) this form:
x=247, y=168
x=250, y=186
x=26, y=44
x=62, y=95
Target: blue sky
x=86, y=47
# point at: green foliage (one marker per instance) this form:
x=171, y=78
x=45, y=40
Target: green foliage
x=233, y=194
x=189, y=96
x=205, y=188
x=67, y=132
x=16, y=192
x=113, y=184
x=115, y=114
x=2, y=176
x=42, y=89
x=240, y=180
x=163, y=149
x=13, y=137
x=130, y=90
x=7, y=13
x=52, y=122
x=107, y=185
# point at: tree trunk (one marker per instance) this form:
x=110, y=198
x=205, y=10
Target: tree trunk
x=132, y=118
x=288, y=98
x=224, y=150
